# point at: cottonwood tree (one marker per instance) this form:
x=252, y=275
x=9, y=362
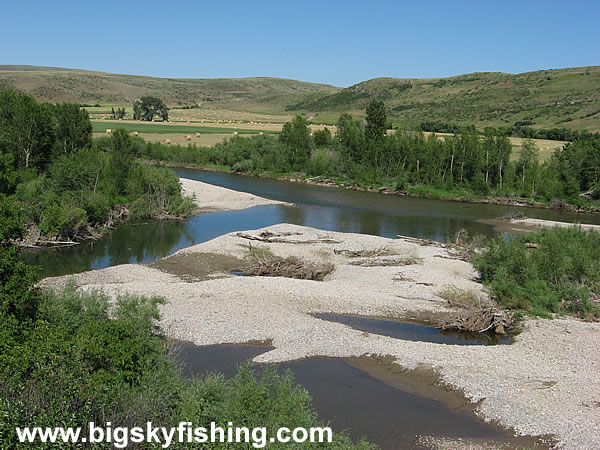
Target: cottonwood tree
x=296, y=136
x=375, y=132
x=26, y=129
x=351, y=136
x=376, y=121
x=147, y=107
x=74, y=129
x=528, y=162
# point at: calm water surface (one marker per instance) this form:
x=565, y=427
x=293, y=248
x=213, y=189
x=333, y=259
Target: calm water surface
x=316, y=206
x=350, y=399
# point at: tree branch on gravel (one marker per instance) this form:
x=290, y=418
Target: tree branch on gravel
x=264, y=263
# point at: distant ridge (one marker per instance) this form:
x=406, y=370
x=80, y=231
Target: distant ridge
x=567, y=98
x=52, y=84
x=547, y=98
x=26, y=68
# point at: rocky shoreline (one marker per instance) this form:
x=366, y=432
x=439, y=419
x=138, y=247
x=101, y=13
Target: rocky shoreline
x=545, y=383
x=324, y=181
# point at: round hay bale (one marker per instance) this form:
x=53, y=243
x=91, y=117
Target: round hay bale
x=197, y=134
x=167, y=141
x=235, y=133
x=108, y=131
x=135, y=133
x=188, y=137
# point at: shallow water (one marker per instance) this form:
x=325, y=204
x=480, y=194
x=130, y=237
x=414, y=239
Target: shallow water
x=412, y=331
x=350, y=399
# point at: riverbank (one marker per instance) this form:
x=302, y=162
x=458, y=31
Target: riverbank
x=206, y=197
x=420, y=192
x=528, y=225
x=545, y=383
x=210, y=198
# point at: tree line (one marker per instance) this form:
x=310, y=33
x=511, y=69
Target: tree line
x=519, y=129
x=68, y=185
x=363, y=152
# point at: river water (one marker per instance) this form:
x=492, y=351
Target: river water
x=342, y=394
x=321, y=207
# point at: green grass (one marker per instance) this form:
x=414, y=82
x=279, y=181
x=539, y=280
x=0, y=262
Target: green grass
x=151, y=127
x=552, y=98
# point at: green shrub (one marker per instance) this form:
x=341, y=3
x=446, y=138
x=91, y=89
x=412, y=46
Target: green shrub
x=156, y=191
x=323, y=162
x=82, y=357
x=556, y=270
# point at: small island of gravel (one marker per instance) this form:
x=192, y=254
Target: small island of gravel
x=545, y=383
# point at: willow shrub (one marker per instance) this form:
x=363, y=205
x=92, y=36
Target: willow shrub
x=558, y=272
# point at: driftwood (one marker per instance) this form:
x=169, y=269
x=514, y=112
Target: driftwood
x=474, y=314
x=270, y=265
x=422, y=242
x=455, y=255
x=386, y=261
x=401, y=277
x=58, y=243
x=479, y=320
x=590, y=194
x=280, y=238
x=462, y=248
x=364, y=253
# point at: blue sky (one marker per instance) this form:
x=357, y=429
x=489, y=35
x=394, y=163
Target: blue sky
x=334, y=42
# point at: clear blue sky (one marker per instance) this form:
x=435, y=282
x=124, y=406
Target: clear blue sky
x=334, y=42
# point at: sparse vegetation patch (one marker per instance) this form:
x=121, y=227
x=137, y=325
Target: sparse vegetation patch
x=264, y=263
x=474, y=313
x=555, y=270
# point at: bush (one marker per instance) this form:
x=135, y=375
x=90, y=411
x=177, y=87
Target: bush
x=323, y=162
x=83, y=358
x=556, y=270
x=157, y=192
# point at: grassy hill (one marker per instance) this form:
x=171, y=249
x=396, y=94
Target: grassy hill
x=568, y=98
x=55, y=84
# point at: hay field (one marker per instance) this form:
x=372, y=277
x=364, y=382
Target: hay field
x=204, y=140
x=545, y=146
x=210, y=133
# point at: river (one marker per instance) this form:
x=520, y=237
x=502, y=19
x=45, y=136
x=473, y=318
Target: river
x=323, y=207
x=342, y=393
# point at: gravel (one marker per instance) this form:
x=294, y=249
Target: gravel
x=211, y=198
x=545, y=383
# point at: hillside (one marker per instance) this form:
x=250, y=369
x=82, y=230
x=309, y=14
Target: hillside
x=563, y=97
x=568, y=98
x=55, y=84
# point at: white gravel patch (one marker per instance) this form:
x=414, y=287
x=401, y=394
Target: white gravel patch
x=539, y=223
x=210, y=198
x=547, y=382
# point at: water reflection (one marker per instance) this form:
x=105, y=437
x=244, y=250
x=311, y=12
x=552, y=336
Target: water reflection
x=146, y=242
x=316, y=206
